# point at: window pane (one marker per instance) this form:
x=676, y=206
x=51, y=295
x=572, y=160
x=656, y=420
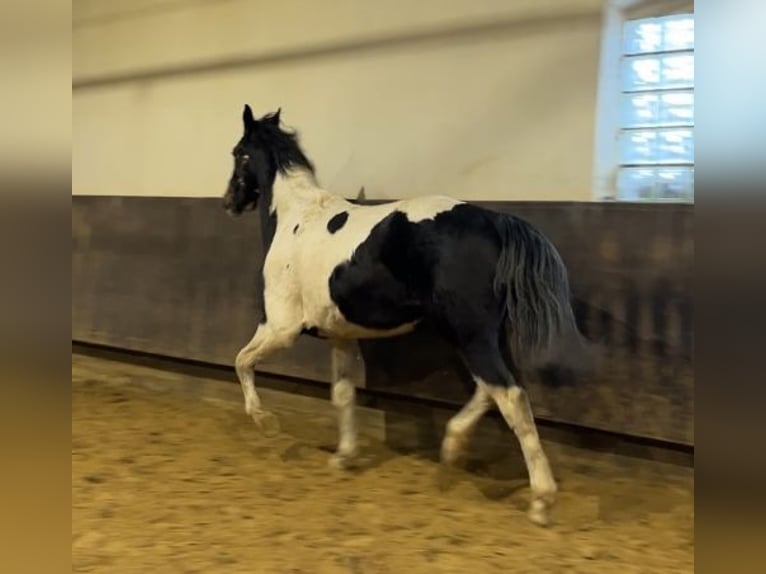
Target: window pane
x=675, y=183
x=677, y=71
x=676, y=108
x=657, y=110
x=649, y=35
x=638, y=147
x=678, y=32
x=634, y=184
x=657, y=146
x=637, y=184
x=640, y=110
x=675, y=146
x=641, y=36
x=640, y=73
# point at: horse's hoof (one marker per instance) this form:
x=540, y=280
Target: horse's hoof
x=342, y=461
x=538, y=513
x=267, y=422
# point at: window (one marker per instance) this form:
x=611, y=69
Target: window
x=656, y=131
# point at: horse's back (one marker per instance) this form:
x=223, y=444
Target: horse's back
x=426, y=207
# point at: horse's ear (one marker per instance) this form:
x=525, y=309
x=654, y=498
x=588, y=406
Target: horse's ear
x=247, y=118
x=273, y=119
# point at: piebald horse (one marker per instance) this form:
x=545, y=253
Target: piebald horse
x=489, y=282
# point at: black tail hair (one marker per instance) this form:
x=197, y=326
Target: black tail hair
x=532, y=277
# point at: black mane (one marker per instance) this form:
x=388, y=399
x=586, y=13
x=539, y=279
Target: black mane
x=283, y=146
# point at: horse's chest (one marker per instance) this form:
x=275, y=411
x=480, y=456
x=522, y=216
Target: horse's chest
x=296, y=273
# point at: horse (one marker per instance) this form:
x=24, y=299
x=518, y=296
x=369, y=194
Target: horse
x=492, y=285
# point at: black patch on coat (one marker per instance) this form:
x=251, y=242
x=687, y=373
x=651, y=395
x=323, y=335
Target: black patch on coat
x=296, y=228
x=404, y=271
x=337, y=221
x=264, y=150
x=468, y=271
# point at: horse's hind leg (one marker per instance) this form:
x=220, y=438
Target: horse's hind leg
x=343, y=397
x=490, y=372
x=514, y=405
x=265, y=341
x=461, y=426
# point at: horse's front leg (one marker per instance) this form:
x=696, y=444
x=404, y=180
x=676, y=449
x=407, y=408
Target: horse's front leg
x=266, y=341
x=344, y=354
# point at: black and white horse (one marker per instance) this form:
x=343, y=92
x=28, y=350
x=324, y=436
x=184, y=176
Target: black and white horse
x=489, y=282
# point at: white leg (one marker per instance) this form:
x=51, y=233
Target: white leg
x=514, y=405
x=460, y=426
x=343, y=397
x=265, y=341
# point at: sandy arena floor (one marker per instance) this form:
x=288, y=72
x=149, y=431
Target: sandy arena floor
x=165, y=480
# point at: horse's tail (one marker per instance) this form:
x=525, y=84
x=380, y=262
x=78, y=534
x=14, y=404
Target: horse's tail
x=532, y=278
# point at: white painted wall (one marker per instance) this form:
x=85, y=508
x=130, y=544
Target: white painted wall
x=500, y=114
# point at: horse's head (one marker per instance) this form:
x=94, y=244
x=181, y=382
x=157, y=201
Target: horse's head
x=254, y=168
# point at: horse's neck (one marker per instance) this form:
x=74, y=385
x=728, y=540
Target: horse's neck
x=296, y=190
x=293, y=193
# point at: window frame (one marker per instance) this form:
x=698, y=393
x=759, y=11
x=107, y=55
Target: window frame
x=612, y=120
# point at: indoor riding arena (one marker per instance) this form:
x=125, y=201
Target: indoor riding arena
x=576, y=116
